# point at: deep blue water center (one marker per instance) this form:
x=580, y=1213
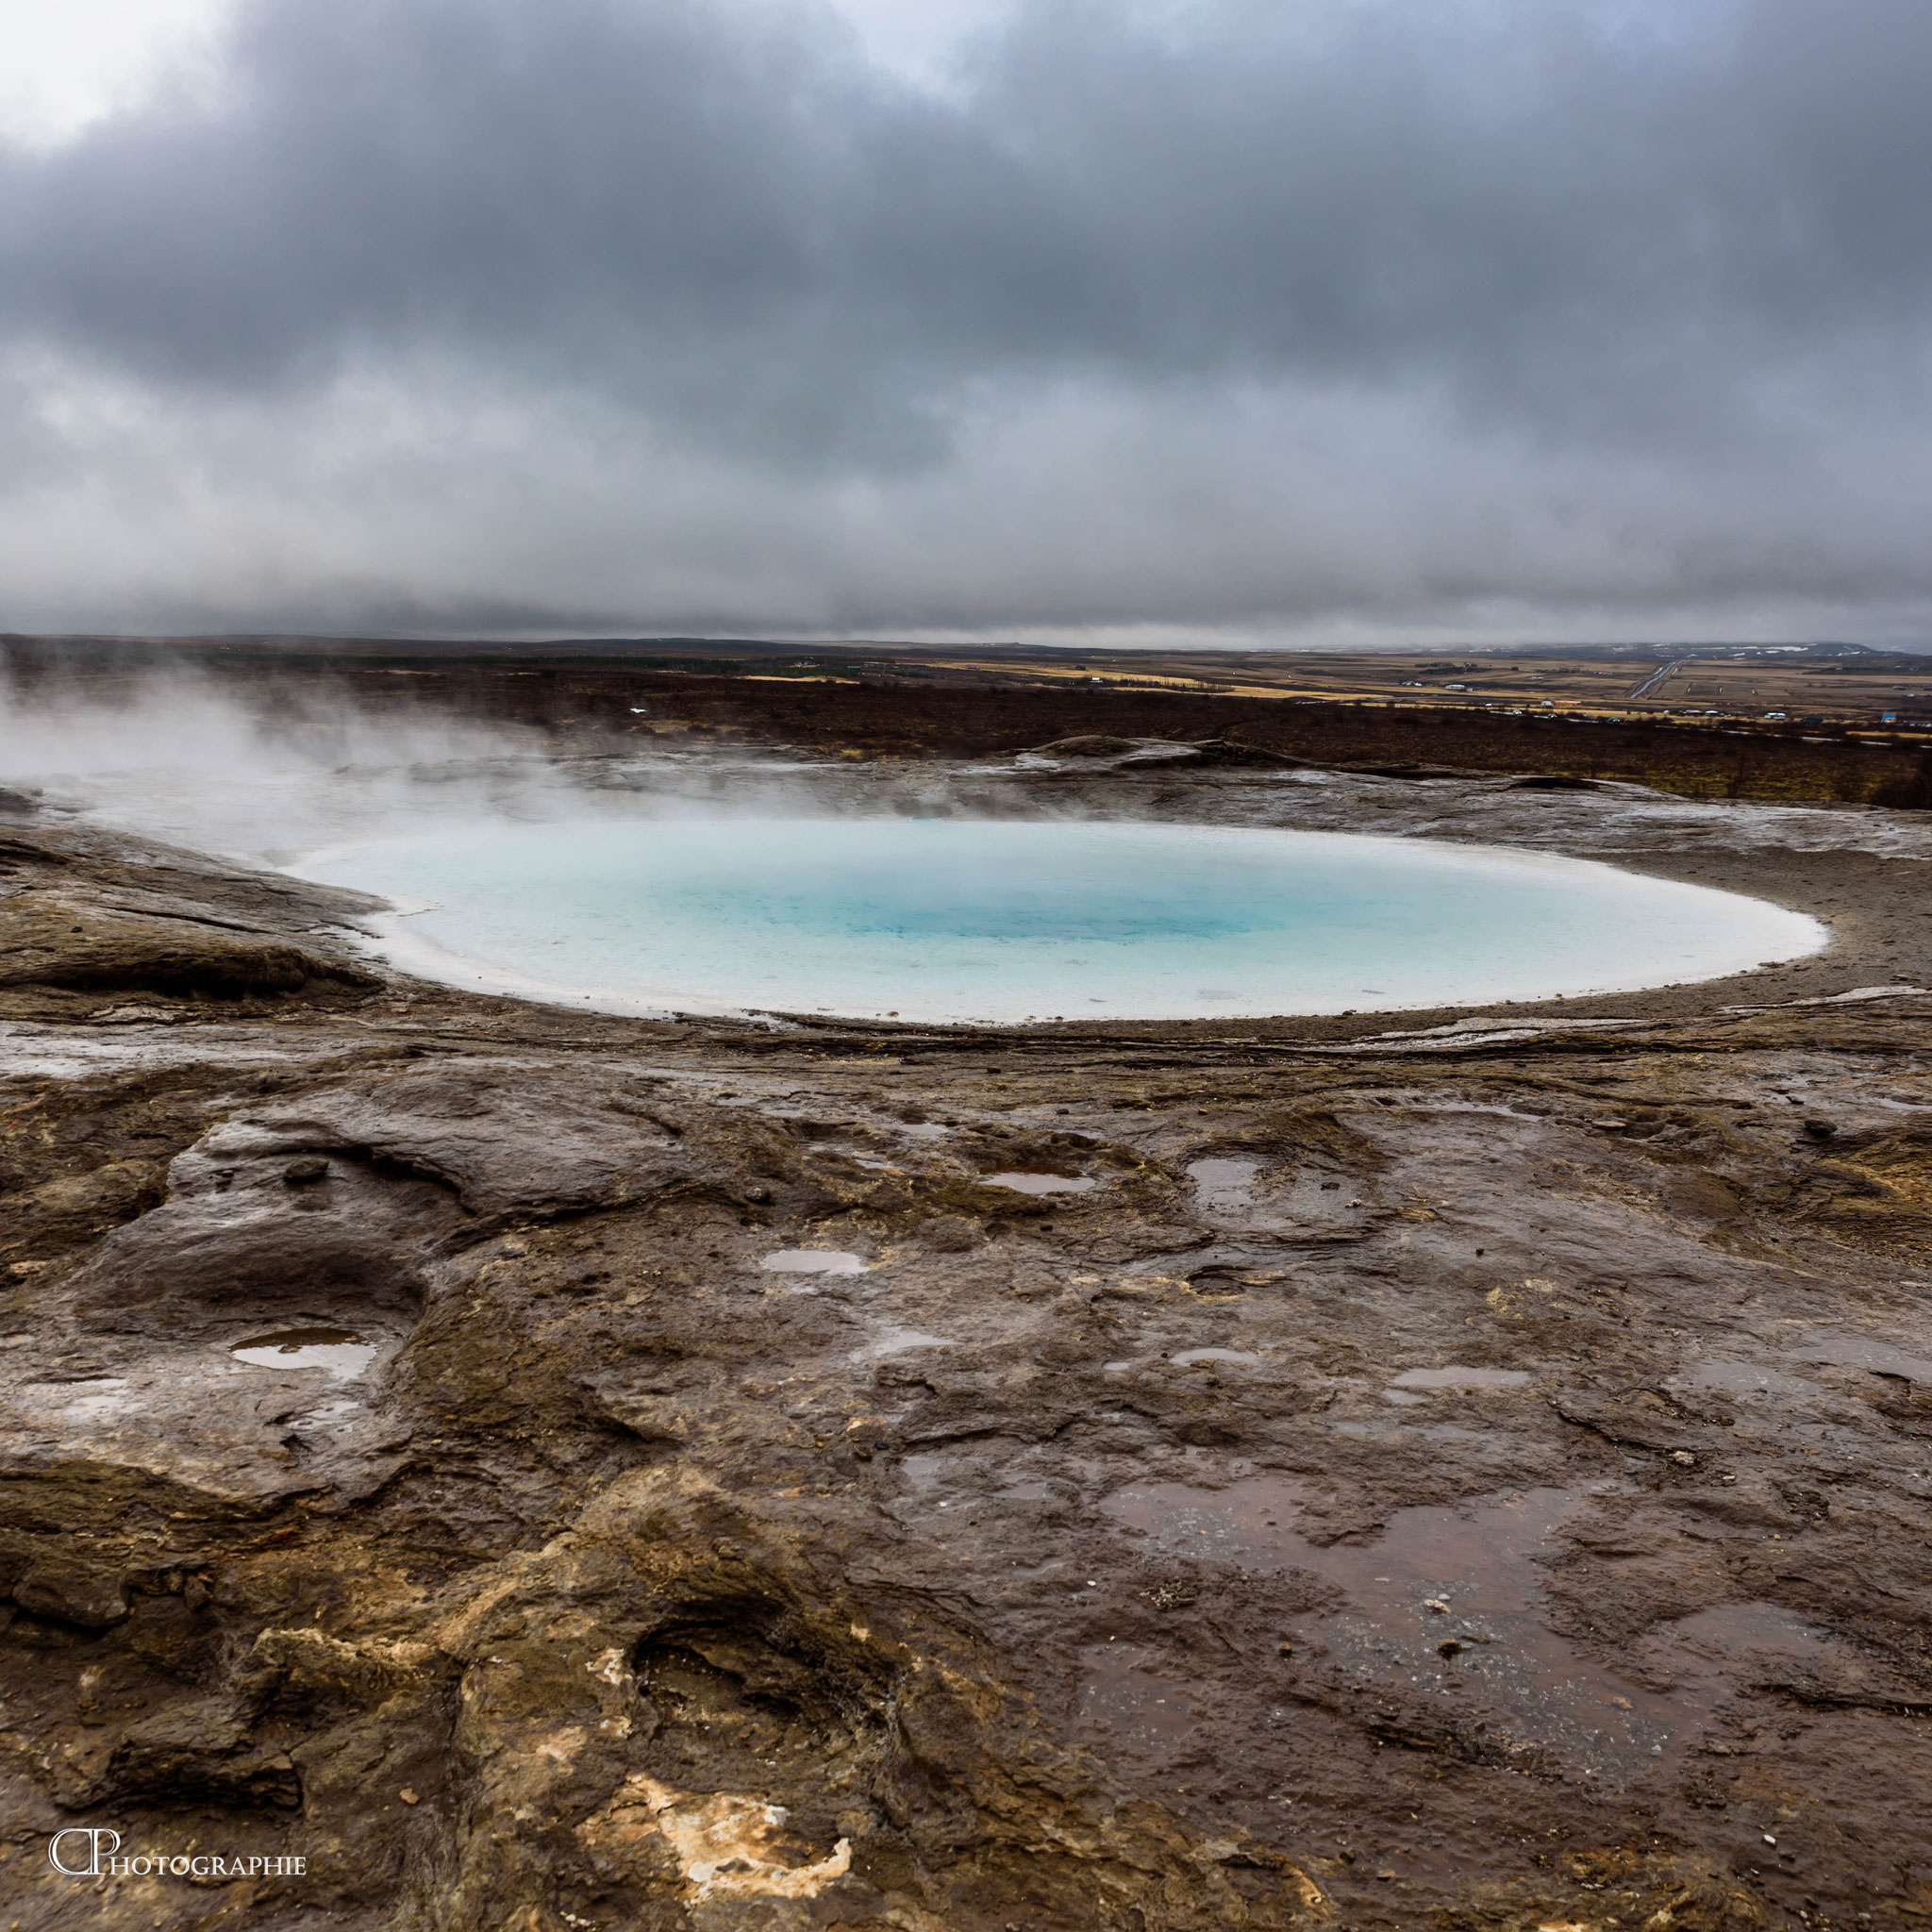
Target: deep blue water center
x=1111, y=901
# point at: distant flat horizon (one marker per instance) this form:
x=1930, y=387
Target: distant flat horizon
x=442, y=639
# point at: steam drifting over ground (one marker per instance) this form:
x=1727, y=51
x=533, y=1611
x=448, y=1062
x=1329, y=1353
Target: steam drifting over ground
x=183, y=758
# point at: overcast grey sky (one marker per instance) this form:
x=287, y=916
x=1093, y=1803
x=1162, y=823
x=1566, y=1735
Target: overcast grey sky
x=1306, y=321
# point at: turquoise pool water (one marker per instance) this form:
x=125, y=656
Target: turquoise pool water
x=999, y=920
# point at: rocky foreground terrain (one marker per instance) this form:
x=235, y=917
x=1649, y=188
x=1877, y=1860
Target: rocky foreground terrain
x=1461, y=1471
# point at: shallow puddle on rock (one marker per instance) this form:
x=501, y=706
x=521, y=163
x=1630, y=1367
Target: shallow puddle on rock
x=329, y=1416
x=1712, y=1653
x=1746, y=1629
x=1479, y=1560
x=1127, y=1699
x=898, y=1341
x=1224, y=1187
x=1743, y=1379
x=813, y=1261
x=844, y=1153
x=1455, y=1377
x=339, y=1350
x=1040, y=1183
x=925, y=1467
x=1188, y=1356
x=1865, y=1352
x=99, y=1396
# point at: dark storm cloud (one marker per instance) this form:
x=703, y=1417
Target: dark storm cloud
x=1697, y=232
x=707, y=211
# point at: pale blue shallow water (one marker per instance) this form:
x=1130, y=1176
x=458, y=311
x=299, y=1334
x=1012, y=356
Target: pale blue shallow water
x=1002, y=920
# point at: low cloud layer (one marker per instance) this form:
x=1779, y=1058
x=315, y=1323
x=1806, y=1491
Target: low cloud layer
x=1355, y=320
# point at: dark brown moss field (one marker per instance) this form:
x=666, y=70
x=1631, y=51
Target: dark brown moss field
x=895, y=710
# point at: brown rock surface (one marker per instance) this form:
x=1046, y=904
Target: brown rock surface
x=62, y=938
x=1432, y=1478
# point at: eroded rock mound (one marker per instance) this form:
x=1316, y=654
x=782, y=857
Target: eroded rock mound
x=59, y=939
x=1095, y=752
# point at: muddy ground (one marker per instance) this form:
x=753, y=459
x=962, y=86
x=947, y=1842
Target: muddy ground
x=1462, y=1470
x=890, y=705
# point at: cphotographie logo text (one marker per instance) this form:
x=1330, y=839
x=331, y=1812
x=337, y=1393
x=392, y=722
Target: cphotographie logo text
x=92, y=1852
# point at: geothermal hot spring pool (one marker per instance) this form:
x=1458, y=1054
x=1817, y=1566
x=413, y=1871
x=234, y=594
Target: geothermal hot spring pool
x=957, y=919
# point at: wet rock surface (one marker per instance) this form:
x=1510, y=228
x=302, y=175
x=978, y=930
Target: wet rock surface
x=547, y=1471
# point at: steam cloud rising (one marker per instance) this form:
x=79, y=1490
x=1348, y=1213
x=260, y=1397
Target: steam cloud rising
x=1345, y=319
